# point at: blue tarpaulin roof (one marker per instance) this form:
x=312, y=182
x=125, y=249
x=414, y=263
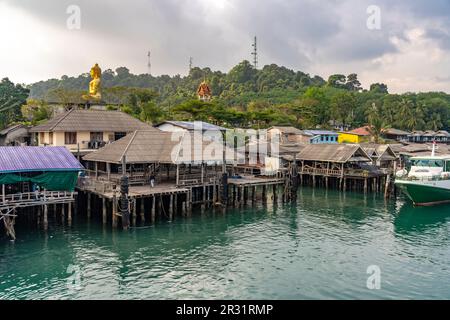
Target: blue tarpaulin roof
x=32, y=159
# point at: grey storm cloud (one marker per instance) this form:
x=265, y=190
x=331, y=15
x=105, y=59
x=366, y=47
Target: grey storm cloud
x=299, y=34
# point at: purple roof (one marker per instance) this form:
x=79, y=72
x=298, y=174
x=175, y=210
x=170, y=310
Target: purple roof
x=26, y=159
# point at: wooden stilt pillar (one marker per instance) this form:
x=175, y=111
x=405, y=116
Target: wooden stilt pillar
x=264, y=194
x=153, y=213
x=114, y=211
x=69, y=213
x=134, y=212
x=184, y=206
x=175, y=204
x=253, y=195
x=171, y=207
x=387, y=186
x=203, y=198
x=190, y=202
x=245, y=196
x=275, y=195
x=45, y=222
x=63, y=212
x=104, y=217
x=89, y=205
x=142, y=211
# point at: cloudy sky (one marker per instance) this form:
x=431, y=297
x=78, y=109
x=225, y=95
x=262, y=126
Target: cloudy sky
x=410, y=51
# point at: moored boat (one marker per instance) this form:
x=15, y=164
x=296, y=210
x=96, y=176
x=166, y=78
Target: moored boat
x=428, y=181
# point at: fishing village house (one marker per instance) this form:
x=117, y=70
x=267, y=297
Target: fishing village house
x=187, y=171
x=441, y=136
x=82, y=131
x=357, y=135
x=31, y=179
x=396, y=135
x=344, y=166
x=15, y=135
x=320, y=136
x=207, y=130
x=382, y=155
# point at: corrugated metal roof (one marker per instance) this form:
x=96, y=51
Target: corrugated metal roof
x=396, y=132
x=27, y=159
x=12, y=128
x=339, y=153
x=193, y=125
x=363, y=131
x=146, y=146
x=92, y=120
x=287, y=130
x=320, y=132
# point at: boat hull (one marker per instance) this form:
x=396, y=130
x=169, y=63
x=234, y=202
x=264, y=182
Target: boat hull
x=426, y=193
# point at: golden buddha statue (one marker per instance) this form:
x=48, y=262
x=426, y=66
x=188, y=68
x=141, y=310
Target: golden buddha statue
x=95, y=84
x=204, y=91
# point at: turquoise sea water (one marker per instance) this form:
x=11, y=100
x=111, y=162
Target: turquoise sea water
x=319, y=248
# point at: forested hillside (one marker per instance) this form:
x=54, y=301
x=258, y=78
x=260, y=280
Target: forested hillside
x=246, y=97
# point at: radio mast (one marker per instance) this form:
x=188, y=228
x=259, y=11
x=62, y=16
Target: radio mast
x=255, y=53
x=149, y=63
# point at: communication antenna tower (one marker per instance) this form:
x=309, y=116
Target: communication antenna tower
x=149, y=63
x=255, y=53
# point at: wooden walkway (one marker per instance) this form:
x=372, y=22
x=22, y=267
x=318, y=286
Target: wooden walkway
x=142, y=191
x=255, y=181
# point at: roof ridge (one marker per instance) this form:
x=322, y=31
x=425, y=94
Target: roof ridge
x=129, y=144
x=62, y=118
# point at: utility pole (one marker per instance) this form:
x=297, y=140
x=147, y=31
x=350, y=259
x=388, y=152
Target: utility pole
x=255, y=53
x=149, y=64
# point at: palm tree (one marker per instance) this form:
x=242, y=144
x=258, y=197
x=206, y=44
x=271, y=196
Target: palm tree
x=435, y=122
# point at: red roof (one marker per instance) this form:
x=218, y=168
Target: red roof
x=363, y=131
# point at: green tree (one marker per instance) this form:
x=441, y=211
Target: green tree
x=343, y=106
x=151, y=113
x=376, y=122
x=379, y=88
x=353, y=83
x=36, y=111
x=337, y=81
x=12, y=97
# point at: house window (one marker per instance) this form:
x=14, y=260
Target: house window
x=119, y=135
x=70, y=138
x=50, y=138
x=96, y=136
x=41, y=137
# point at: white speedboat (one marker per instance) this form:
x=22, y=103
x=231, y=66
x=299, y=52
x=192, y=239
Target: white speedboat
x=428, y=181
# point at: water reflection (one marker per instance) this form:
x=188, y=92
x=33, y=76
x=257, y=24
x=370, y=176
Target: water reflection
x=319, y=247
x=412, y=220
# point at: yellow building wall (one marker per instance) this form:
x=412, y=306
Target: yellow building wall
x=349, y=138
